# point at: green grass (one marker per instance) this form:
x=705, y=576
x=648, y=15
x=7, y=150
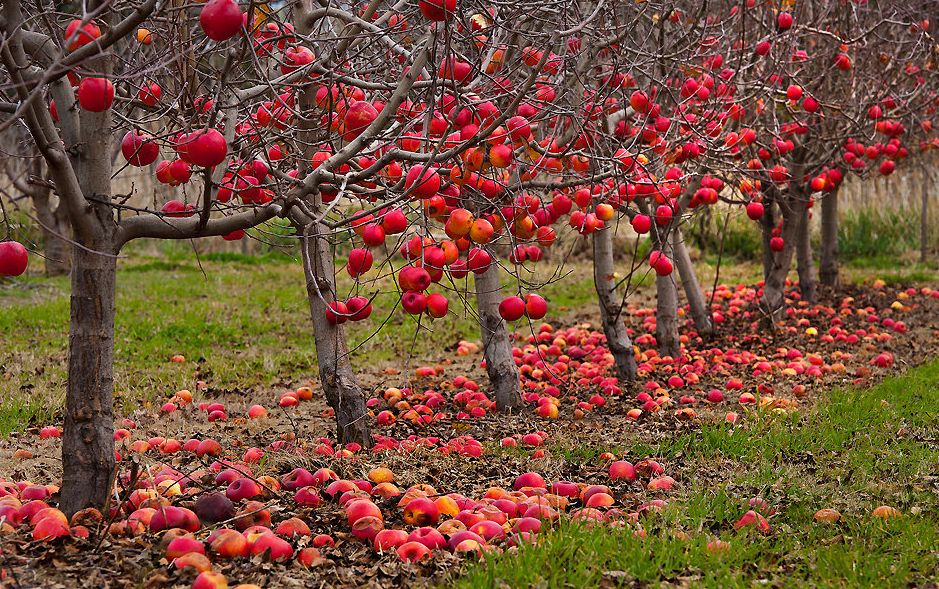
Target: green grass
x=242, y=322
x=870, y=237
x=870, y=231
x=852, y=453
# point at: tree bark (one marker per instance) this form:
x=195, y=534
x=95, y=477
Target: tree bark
x=828, y=264
x=343, y=392
x=924, y=210
x=88, y=439
x=771, y=303
x=700, y=314
x=805, y=263
x=666, y=314
x=617, y=340
x=497, y=348
x=88, y=461
x=54, y=223
x=767, y=224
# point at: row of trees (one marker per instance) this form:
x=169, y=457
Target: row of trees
x=455, y=132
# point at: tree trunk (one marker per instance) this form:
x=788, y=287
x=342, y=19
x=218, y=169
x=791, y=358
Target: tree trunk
x=497, y=348
x=700, y=313
x=55, y=249
x=771, y=303
x=666, y=291
x=617, y=340
x=342, y=388
x=666, y=314
x=343, y=392
x=924, y=210
x=828, y=265
x=88, y=460
x=767, y=224
x=808, y=282
x=88, y=439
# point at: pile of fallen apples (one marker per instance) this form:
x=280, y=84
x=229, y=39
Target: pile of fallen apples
x=196, y=524
x=222, y=509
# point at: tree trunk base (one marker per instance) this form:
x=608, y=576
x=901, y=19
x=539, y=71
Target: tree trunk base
x=88, y=438
x=617, y=340
x=497, y=347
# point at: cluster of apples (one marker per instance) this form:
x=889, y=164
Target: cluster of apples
x=500, y=518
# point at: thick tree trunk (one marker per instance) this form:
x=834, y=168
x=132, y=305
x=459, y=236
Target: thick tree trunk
x=805, y=263
x=700, y=313
x=343, y=392
x=617, y=340
x=497, y=348
x=88, y=460
x=666, y=314
x=828, y=264
x=88, y=439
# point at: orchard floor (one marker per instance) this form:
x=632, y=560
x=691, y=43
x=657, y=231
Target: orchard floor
x=863, y=433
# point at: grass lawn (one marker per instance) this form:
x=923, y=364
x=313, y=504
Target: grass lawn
x=859, y=449
x=243, y=320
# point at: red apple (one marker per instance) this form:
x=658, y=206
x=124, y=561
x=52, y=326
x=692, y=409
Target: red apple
x=437, y=305
x=359, y=308
x=421, y=511
x=414, y=278
x=359, y=116
x=437, y=10
x=77, y=34
x=221, y=19
x=622, y=469
x=95, y=94
x=243, y=488
x=210, y=580
x=279, y=549
x=512, y=308
x=414, y=302
x=208, y=149
x=292, y=527
x=297, y=478
x=356, y=510
x=529, y=479
x=337, y=313
x=253, y=513
x=388, y=539
x=423, y=182
x=360, y=261
x=229, y=543
x=413, y=551
x=535, y=306
x=183, y=545
x=139, y=149
x=13, y=258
